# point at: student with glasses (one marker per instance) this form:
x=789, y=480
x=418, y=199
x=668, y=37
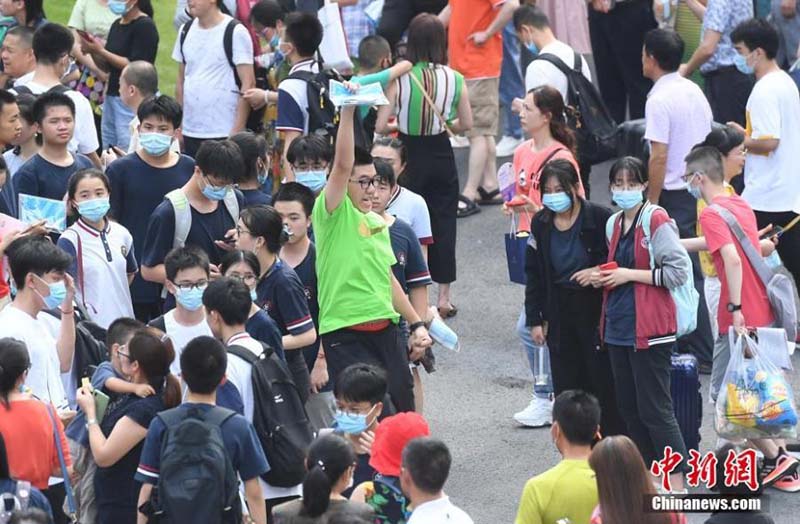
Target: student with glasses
x=310, y=157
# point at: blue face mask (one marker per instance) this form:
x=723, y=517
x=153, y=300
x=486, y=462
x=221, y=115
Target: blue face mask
x=58, y=291
x=191, y=299
x=313, y=180
x=273, y=43
x=351, y=423
x=532, y=48
x=155, y=144
x=694, y=191
x=118, y=7
x=741, y=64
x=557, y=202
x=262, y=177
x=214, y=193
x=253, y=295
x=95, y=209
x=627, y=199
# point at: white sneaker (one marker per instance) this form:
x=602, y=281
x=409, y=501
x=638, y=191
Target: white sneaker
x=458, y=141
x=507, y=145
x=538, y=413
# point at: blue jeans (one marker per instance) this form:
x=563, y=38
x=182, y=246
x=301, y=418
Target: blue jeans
x=533, y=352
x=511, y=82
x=115, y=127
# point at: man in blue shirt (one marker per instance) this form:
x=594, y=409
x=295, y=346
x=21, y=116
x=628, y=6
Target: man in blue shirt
x=10, y=130
x=203, y=364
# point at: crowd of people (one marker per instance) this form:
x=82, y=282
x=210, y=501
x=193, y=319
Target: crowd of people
x=234, y=319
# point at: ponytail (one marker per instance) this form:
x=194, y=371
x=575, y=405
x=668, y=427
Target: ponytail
x=154, y=352
x=171, y=393
x=549, y=101
x=316, y=491
x=329, y=458
x=561, y=131
x=146, y=7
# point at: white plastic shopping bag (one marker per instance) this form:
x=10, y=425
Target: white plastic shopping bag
x=334, y=46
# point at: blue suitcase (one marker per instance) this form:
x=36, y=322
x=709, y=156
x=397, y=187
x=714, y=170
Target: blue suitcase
x=687, y=402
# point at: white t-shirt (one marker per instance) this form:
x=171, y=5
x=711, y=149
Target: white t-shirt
x=677, y=114
x=84, y=139
x=773, y=111
x=412, y=209
x=210, y=95
x=13, y=162
x=102, y=284
x=439, y=511
x=542, y=72
x=182, y=335
x=44, y=377
x=240, y=373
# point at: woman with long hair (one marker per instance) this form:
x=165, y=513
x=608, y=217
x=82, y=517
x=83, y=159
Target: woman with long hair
x=104, y=263
x=116, y=442
x=622, y=483
x=331, y=461
x=28, y=13
x=431, y=170
x=133, y=36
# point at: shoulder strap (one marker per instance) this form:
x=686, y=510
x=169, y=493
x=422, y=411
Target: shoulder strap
x=550, y=157
x=578, y=62
x=80, y=280
x=159, y=323
x=72, y=507
x=243, y=353
x=431, y=104
x=553, y=59
x=232, y=204
x=182, y=38
x=227, y=44
x=23, y=90
x=610, y=223
x=183, y=216
x=753, y=254
x=303, y=74
x=218, y=415
x=172, y=417
x=644, y=220
x=59, y=88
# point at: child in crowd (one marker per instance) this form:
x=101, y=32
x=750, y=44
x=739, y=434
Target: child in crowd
x=109, y=379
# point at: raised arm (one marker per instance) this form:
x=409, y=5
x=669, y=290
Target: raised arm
x=386, y=112
x=343, y=161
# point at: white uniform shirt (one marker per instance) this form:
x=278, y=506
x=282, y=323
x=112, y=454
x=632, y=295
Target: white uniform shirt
x=412, y=209
x=182, y=335
x=439, y=511
x=542, y=72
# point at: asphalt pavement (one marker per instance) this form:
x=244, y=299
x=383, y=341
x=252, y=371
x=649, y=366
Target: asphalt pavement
x=472, y=396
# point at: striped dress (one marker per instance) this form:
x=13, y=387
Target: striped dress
x=415, y=116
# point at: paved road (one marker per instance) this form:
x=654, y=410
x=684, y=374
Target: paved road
x=472, y=395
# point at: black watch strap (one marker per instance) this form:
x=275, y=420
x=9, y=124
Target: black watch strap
x=416, y=325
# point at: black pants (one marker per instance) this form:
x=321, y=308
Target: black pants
x=384, y=349
x=617, y=39
x=576, y=360
x=682, y=207
x=789, y=245
x=191, y=145
x=431, y=172
x=55, y=495
x=642, y=382
x=727, y=91
x=297, y=365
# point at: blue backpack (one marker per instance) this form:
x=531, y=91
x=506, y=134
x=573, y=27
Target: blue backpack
x=685, y=296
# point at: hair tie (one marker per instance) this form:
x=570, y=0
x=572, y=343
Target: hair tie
x=321, y=465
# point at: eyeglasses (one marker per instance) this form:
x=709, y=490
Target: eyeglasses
x=688, y=177
x=188, y=286
x=247, y=279
x=122, y=353
x=366, y=182
x=240, y=231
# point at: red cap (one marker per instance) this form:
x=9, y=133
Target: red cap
x=391, y=436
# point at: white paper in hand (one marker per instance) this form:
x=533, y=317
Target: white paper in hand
x=367, y=95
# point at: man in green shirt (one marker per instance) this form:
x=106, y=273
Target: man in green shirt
x=359, y=298
x=568, y=491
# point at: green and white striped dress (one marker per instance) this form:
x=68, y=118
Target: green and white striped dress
x=414, y=115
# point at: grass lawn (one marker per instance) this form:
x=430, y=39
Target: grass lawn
x=59, y=11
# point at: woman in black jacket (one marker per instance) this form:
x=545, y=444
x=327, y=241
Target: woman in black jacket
x=561, y=307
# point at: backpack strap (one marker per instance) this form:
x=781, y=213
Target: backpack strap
x=644, y=221
x=159, y=323
x=578, y=63
x=183, y=216
x=232, y=204
x=227, y=45
x=753, y=254
x=218, y=415
x=72, y=508
x=182, y=37
x=23, y=90
x=610, y=224
x=243, y=353
x=553, y=59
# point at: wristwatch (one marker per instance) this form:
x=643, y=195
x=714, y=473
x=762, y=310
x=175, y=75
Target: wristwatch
x=733, y=307
x=90, y=422
x=416, y=325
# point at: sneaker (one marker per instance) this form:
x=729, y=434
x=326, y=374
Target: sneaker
x=774, y=470
x=538, y=413
x=458, y=141
x=788, y=483
x=507, y=145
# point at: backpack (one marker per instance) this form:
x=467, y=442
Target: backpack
x=780, y=291
x=685, y=296
x=19, y=500
x=183, y=213
x=58, y=88
x=255, y=119
x=197, y=482
x=279, y=417
x=323, y=117
x=90, y=345
x=595, y=129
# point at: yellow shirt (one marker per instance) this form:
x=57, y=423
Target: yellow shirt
x=566, y=491
x=706, y=263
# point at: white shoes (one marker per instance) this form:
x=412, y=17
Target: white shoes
x=507, y=145
x=459, y=141
x=538, y=413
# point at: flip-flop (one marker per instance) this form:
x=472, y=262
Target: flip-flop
x=448, y=312
x=469, y=208
x=489, y=198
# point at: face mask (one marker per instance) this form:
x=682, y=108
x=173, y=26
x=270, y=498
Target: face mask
x=351, y=423
x=191, y=299
x=694, y=191
x=532, y=48
x=215, y=193
x=557, y=202
x=253, y=295
x=58, y=291
x=118, y=7
x=262, y=177
x=275, y=41
x=155, y=144
x=627, y=199
x=95, y=209
x=741, y=64
x=313, y=180
x=774, y=260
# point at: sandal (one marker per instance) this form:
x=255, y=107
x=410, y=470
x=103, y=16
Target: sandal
x=469, y=208
x=448, y=311
x=489, y=198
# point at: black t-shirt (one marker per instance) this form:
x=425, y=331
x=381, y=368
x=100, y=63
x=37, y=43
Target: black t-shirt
x=307, y=273
x=137, y=40
x=567, y=254
x=39, y=177
x=255, y=197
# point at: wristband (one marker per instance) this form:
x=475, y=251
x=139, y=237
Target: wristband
x=70, y=312
x=415, y=326
x=91, y=422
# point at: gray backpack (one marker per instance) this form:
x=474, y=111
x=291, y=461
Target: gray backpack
x=780, y=291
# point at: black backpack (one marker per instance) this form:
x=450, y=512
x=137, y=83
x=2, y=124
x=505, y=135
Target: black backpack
x=197, y=482
x=90, y=345
x=25, y=90
x=279, y=417
x=595, y=129
x=255, y=120
x=323, y=117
